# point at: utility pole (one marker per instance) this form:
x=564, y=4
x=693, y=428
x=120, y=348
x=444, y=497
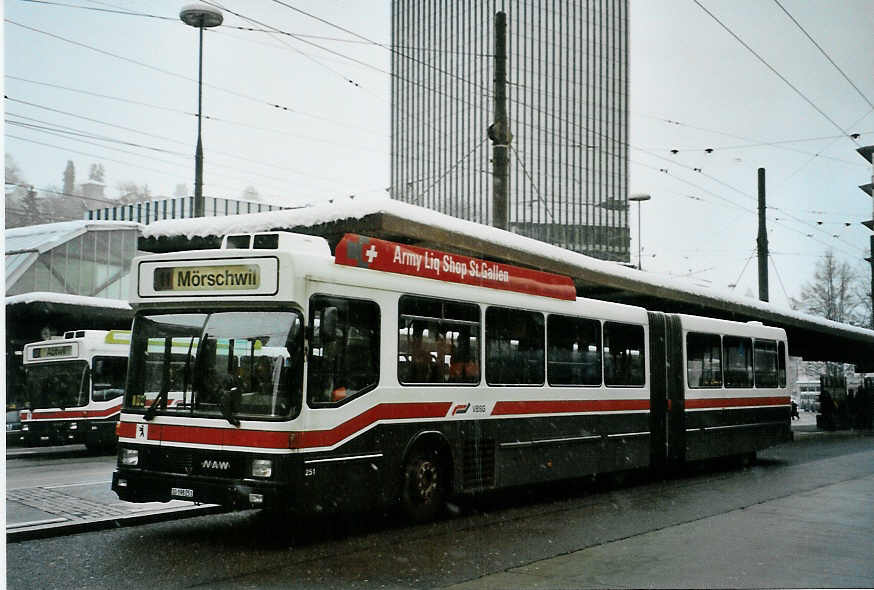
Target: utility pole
x=499, y=131
x=867, y=152
x=762, y=240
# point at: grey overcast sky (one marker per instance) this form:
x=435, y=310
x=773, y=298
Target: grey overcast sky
x=303, y=116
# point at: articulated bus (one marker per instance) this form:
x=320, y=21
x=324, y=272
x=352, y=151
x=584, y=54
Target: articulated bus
x=398, y=374
x=75, y=383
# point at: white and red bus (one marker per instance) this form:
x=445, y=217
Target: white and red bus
x=392, y=373
x=75, y=384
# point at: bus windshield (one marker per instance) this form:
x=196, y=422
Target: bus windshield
x=62, y=384
x=223, y=364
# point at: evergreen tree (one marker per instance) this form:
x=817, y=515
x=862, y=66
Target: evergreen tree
x=32, y=213
x=69, y=178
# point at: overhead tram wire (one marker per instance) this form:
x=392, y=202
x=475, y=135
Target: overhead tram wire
x=417, y=83
x=737, y=205
x=282, y=132
x=62, y=194
x=485, y=90
x=183, y=77
x=779, y=278
x=146, y=65
x=152, y=135
x=221, y=172
x=826, y=55
x=844, y=133
x=815, y=156
x=175, y=19
x=105, y=10
x=175, y=110
x=770, y=67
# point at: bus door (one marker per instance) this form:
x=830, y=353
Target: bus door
x=667, y=399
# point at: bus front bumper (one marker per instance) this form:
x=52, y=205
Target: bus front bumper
x=141, y=486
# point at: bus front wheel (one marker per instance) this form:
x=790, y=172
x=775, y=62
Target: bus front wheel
x=425, y=485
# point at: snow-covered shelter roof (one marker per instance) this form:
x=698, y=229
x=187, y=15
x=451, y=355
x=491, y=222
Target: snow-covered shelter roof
x=809, y=336
x=23, y=245
x=67, y=299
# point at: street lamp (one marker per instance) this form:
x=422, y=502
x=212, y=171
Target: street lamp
x=639, y=198
x=201, y=17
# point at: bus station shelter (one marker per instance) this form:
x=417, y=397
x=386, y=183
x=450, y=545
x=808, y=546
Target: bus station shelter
x=810, y=337
x=64, y=276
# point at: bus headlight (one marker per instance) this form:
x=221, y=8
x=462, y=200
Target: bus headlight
x=74, y=426
x=130, y=456
x=262, y=468
x=25, y=428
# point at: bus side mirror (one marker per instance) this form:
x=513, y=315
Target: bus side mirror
x=328, y=329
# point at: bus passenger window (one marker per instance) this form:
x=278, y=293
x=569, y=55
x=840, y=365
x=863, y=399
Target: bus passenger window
x=438, y=341
x=781, y=364
x=765, y=361
x=514, y=347
x=108, y=378
x=738, y=355
x=573, y=351
x=343, y=356
x=623, y=355
x=703, y=360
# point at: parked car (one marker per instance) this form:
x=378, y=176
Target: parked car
x=14, y=436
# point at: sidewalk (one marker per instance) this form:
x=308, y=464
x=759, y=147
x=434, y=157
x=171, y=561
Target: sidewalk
x=816, y=539
x=56, y=508
x=33, y=513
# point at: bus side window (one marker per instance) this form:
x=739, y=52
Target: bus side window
x=108, y=378
x=345, y=362
x=515, y=342
x=623, y=355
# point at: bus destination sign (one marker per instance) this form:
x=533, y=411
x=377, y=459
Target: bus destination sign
x=376, y=254
x=52, y=352
x=236, y=277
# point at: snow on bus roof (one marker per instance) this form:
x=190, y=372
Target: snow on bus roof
x=68, y=299
x=359, y=208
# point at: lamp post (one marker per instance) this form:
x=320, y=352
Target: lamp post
x=639, y=198
x=201, y=17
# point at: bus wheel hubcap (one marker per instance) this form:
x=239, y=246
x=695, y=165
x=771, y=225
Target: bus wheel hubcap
x=426, y=480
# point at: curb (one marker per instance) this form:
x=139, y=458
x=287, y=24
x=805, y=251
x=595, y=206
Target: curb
x=47, y=530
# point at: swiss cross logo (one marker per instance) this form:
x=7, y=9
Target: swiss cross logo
x=371, y=254
x=142, y=431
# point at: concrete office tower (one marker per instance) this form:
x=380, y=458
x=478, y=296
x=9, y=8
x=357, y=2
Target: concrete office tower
x=567, y=102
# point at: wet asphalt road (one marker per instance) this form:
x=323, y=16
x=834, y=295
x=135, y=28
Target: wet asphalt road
x=487, y=537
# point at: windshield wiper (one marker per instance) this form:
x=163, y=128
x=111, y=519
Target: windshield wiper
x=229, y=404
x=153, y=409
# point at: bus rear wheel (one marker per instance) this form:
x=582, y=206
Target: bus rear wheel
x=425, y=485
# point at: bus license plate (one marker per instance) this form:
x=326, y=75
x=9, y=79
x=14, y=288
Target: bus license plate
x=182, y=492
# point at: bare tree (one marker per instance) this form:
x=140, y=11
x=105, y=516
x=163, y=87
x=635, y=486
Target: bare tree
x=250, y=193
x=96, y=173
x=131, y=192
x=832, y=294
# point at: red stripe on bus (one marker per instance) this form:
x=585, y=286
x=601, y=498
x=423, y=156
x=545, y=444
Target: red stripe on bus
x=75, y=414
x=569, y=406
x=265, y=439
x=728, y=402
x=402, y=411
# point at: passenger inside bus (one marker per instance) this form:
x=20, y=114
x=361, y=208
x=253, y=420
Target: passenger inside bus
x=463, y=367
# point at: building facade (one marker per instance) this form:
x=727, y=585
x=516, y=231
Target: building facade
x=147, y=212
x=567, y=101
